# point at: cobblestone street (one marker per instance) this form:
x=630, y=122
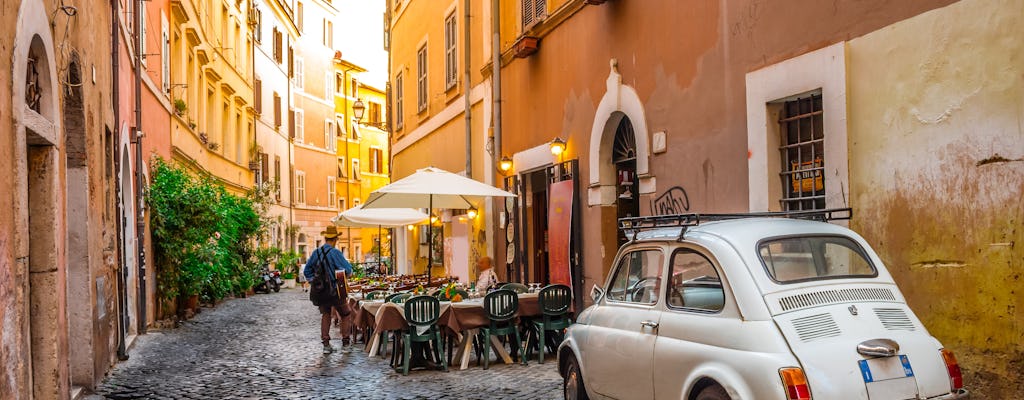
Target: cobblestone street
x=267, y=347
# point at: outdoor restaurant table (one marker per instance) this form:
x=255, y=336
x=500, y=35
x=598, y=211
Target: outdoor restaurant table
x=463, y=319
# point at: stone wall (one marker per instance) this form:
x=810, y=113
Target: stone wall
x=936, y=150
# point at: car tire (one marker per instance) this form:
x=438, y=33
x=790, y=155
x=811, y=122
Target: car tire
x=713, y=392
x=572, y=384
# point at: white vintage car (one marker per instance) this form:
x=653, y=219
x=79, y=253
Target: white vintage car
x=751, y=307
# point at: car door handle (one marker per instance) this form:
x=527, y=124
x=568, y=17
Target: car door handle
x=649, y=324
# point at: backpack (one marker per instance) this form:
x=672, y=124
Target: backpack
x=322, y=291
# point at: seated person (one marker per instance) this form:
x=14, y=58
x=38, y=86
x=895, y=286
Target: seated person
x=486, y=278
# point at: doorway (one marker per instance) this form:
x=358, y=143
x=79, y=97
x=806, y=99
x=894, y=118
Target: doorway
x=537, y=235
x=627, y=186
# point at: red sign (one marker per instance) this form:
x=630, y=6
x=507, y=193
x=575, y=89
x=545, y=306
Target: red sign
x=559, y=223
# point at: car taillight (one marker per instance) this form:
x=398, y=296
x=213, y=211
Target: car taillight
x=795, y=382
x=956, y=379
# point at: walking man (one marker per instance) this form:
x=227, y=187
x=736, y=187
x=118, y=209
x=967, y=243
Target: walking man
x=328, y=258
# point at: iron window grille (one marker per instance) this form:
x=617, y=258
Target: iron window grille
x=802, y=152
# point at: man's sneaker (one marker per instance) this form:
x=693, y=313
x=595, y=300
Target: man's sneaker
x=328, y=349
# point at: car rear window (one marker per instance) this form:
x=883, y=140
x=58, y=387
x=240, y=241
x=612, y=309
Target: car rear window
x=798, y=259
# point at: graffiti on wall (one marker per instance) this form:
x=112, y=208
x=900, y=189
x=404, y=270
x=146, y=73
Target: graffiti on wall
x=673, y=201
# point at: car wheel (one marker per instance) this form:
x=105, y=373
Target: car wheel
x=713, y=392
x=573, y=388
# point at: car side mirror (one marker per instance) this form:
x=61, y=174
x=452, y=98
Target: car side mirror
x=596, y=293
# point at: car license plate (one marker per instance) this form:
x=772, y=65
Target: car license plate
x=884, y=368
x=889, y=378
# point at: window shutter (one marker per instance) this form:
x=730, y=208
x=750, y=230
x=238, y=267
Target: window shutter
x=276, y=110
x=264, y=167
x=527, y=13
x=291, y=124
x=257, y=89
x=540, y=9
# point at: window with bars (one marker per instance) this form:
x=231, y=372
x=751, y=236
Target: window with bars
x=451, y=63
x=421, y=78
x=533, y=11
x=802, y=152
x=399, y=94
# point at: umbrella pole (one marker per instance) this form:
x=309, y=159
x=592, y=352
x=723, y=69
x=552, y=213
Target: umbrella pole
x=380, y=242
x=430, y=235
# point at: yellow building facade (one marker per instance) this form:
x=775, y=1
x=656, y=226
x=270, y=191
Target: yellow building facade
x=429, y=90
x=362, y=154
x=213, y=129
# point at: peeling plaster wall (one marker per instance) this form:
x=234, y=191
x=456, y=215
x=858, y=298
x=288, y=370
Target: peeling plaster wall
x=936, y=133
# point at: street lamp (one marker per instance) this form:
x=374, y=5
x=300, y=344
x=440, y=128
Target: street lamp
x=505, y=164
x=358, y=108
x=471, y=213
x=557, y=146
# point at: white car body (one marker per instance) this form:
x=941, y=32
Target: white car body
x=629, y=350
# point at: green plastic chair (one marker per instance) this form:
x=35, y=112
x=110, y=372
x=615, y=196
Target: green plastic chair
x=518, y=288
x=374, y=295
x=422, y=312
x=554, y=305
x=400, y=298
x=501, y=305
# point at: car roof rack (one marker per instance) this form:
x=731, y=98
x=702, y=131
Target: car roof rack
x=634, y=225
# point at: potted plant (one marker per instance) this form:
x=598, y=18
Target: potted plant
x=180, y=107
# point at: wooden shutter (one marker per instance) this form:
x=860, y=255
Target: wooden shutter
x=277, y=111
x=291, y=124
x=257, y=89
x=264, y=167
x=527, y=13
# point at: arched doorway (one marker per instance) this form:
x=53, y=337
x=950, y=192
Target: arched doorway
x=36, y=313
x=627, y=190
x=128, y=237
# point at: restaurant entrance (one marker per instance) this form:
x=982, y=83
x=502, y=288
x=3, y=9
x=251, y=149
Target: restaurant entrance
x=545, y=249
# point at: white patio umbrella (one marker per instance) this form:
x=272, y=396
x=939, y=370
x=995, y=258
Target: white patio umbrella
x=357, y=217
x=429, y=188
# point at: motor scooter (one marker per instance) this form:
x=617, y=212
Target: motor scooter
x=268, y=280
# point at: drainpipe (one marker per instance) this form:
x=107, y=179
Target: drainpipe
x=291, y=149
x=122, y=323
x=140, y=217
x=497, y=153
x=496, y=76
x=465, y=94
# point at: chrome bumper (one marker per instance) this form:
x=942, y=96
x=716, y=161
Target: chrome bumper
x=959, y=394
